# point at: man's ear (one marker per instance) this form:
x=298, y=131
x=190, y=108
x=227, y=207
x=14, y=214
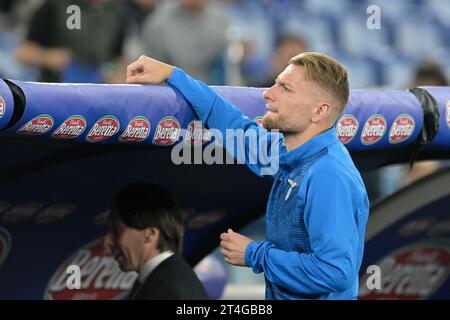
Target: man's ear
x=151, y=235
x=321, y=111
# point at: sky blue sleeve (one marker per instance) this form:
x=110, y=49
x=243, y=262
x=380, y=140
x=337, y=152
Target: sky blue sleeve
x=218, y=113
x=329, y=219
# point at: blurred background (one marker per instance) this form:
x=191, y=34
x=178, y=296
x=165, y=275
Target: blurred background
x=397, y=44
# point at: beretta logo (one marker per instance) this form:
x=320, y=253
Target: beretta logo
x=401, y=129
x=5, y=244
x=346, y=128
x=71, y=128
x=103, y=129
x=447, y=111
x=413, y=272
x=2, y=107
x=373, y=130
x=137, y=130
x=167, y=132
x=37, y=126
x=101, y=277
x=197, y=134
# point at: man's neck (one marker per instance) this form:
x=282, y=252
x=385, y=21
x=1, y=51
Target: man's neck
x=148, y=256
x=293, y=141
x=151, y=263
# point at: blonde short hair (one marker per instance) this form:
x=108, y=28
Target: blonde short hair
x=329, y=74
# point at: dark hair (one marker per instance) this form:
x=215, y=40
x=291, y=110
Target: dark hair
x=288, y=37
x=429, y=73
x=142, y=206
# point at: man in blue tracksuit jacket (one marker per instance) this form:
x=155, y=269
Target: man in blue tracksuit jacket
x=318, y=206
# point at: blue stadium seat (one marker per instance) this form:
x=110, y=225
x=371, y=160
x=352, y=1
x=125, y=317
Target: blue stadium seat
x=336, y=7
x=357, y=39
x=9, y=67
x=398, y=72
x=440, y=9
x=394, y=9
x=361, y=71
x=417, y=37
x=316, y=31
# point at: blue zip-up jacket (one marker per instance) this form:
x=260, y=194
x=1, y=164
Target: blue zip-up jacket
x=316, y=213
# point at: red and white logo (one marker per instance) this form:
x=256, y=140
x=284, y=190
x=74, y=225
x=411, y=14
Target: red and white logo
x=103, y=129
x=2, y=107
x=137, y=130
x=37, y=126
x=447, y=111
x=22, y=212
x=167, y=132
x=5, y=244
x=55, y=212
x=71, y=128
x=414, y=272
x=206, y=218
x=197, y=134
x=259, y=120
x=373, y=130
x=346, y=128
x=401, y=129
x=101, y=277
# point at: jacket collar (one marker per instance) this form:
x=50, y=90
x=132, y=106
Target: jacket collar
x=291, y=159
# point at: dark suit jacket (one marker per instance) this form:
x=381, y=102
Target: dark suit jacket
x=172, y=279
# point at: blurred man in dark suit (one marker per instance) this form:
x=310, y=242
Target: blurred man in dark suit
x=145, y=234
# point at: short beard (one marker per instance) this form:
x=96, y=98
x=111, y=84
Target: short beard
x=270, y=124
x=126, y=268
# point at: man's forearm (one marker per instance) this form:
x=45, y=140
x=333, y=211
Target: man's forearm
x=199, y=95
x=301, y=273
x=31, y=54
x=218, y=113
